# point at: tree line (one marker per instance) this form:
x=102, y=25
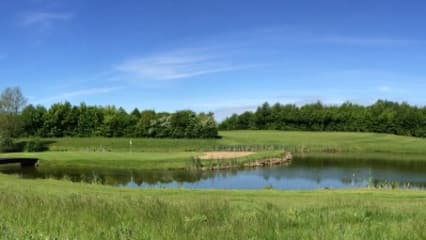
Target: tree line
x=65, y=120
x=381, y=117
x=17, y=119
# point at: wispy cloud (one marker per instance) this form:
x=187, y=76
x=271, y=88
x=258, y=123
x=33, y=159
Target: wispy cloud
x=44, y=18
x=384, y=89
x=179, y=64
x=239, y=51
x=77, y=93
x=297, y=35
x=365, y=41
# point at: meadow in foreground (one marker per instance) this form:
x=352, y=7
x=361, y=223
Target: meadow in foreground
x=50, y=209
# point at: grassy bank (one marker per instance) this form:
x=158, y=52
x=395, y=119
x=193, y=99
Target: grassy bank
x=136, y=160
x=113, y=160
x=49, y=209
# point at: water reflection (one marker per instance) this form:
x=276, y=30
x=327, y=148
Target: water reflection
x=301, y=174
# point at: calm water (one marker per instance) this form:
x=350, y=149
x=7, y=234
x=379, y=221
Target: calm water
x=301, y=174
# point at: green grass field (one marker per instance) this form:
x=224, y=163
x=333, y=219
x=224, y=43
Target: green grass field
x=178, y=153
x=114, y=160
x=133, y=160
x=306, y=141
x=50, y=209
x=330, y=141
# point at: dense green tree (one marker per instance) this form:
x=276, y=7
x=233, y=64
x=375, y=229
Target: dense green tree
x=33, y=120
x=246, y=121
x=90, y=121
x=383, y=117
x=144, y=123
x=60, y=120
x=262, y=116
x=206, y=126
x=132, y=122
x=182, y=123
x=114, y=122
x=161, y=127
x=64, y=120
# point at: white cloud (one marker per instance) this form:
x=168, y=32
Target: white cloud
x=178, y=64
x=44, y=19
x=77, y=93
x=384, y=89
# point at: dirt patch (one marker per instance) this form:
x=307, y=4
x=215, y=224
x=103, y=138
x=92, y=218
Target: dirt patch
x=224, y=155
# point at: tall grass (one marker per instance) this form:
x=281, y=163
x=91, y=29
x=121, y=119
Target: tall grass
x=237, y=162
x=49, y=209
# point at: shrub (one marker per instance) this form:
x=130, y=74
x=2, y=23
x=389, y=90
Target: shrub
x=35, y=145
x=6, y=144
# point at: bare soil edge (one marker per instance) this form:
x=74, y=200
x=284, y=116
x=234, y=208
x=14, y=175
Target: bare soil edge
x=224, y=155
x=285, y=158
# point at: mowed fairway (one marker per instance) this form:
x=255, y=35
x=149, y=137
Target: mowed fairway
x=326, y=141
x=50, y=209
x=312, y=141
x=145, y=153
x=113, y=160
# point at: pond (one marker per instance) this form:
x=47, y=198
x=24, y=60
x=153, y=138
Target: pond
x=300, y=174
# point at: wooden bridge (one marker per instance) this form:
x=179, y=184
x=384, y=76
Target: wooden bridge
x=25, y=162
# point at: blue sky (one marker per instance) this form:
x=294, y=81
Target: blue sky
x=221, y=56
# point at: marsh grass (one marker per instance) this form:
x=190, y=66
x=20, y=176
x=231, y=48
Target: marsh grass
x=237, y=162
